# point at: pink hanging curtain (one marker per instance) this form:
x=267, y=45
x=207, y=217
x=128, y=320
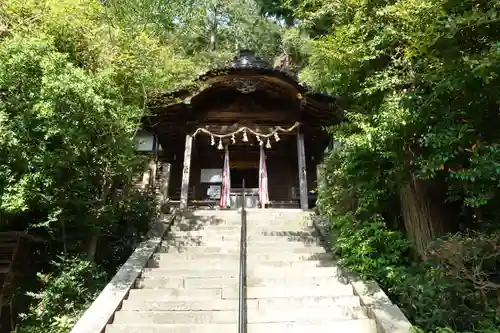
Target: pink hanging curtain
x=263, y=187
x=225, y=201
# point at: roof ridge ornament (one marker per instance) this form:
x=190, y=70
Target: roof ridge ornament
x=247, y=59
x=243, y=85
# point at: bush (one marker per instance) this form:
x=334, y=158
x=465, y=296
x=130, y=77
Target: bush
x=453, y=288
x=134, y=216
x=65, y=294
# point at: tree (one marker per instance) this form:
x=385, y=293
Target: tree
x=396, y=64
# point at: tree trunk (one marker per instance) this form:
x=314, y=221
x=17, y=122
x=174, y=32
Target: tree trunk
x=213, y=31
x=63, y=234
x=423, y=212
x=93, y=246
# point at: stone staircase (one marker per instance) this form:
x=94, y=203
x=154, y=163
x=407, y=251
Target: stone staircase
x=191, y=284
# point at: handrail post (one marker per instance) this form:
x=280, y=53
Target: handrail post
x=242, y=314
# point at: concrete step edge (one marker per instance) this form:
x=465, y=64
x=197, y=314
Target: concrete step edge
x=351, y=326
x=263, y=304
x=325, y=315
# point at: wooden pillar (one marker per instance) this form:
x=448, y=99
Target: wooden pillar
x=146, y=175
x=185, y=171
x=154, y=168
x=165, y=178
x=301, y=153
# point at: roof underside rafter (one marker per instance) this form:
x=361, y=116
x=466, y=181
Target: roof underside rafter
x=246, y=91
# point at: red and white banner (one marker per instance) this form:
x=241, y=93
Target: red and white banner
x=263, y=187
x=225, y=201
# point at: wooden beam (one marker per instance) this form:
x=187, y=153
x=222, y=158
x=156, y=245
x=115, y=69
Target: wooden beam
x=304, y=205
x=186, y=171
x=235, y=116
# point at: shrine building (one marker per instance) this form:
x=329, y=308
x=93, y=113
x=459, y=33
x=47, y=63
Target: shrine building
x=244, y=123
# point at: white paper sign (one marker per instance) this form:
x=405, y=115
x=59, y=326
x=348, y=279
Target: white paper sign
x=211, y=176
x=214, y=191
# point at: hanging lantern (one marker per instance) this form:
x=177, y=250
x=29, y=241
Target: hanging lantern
x=276, y=136
x=220, y=147
x=268, y=144
x=245, y=137
x=233, y=139
x=212, y=141
x=144, y=141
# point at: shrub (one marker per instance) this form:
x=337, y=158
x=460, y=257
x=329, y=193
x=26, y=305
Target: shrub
x=66, y=293
x=453, y=288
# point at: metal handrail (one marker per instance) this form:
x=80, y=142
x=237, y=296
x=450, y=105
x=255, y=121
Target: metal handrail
x=242, y=313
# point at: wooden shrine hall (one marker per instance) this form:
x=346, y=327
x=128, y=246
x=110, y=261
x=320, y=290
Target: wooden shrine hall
x=254, y=119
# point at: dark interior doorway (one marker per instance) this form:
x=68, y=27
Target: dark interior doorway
x=251, y=177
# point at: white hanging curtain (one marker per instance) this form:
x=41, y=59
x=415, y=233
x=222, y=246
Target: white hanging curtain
x=263, y=187
x=225, y=201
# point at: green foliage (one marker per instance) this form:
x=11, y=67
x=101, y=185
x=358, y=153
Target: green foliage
x=132, y=222
x=66, y=292
x=73, y=88
x=418, y=81
x=75, y=77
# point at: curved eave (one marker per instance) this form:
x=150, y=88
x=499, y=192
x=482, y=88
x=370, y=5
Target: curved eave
x=219, y=76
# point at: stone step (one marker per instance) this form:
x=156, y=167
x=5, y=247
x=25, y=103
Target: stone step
x=278, y=229
x=288, y=256
x=159, y=283
x=251, y=256
x=165, y=262
x=263, y=271
x=270, y=230
x=169, y=256
x=160, y=260
x=234, y=242
x=318, y=315
x=231, y=316
x=176, y=317
x=181, y=243
x=191, y=272
x=232, y=292
x=201, y=237
x=283, y=242
x=165, y=248
x=341, y=326
x=278, y=223
x=233, y=272
x=204, y=234
x=257, y=235
x=305, y=264
x=280, y=238
x=252, y=281
x=173, y=328
x=305, y=281
x=305, y=302
x=282, y=233
x=215, y=228
x=174, y=294
x=235, y=236
x=290, y=291
x=351, y=326
x=286, y=212
x=195, y=305
x=265, y=304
